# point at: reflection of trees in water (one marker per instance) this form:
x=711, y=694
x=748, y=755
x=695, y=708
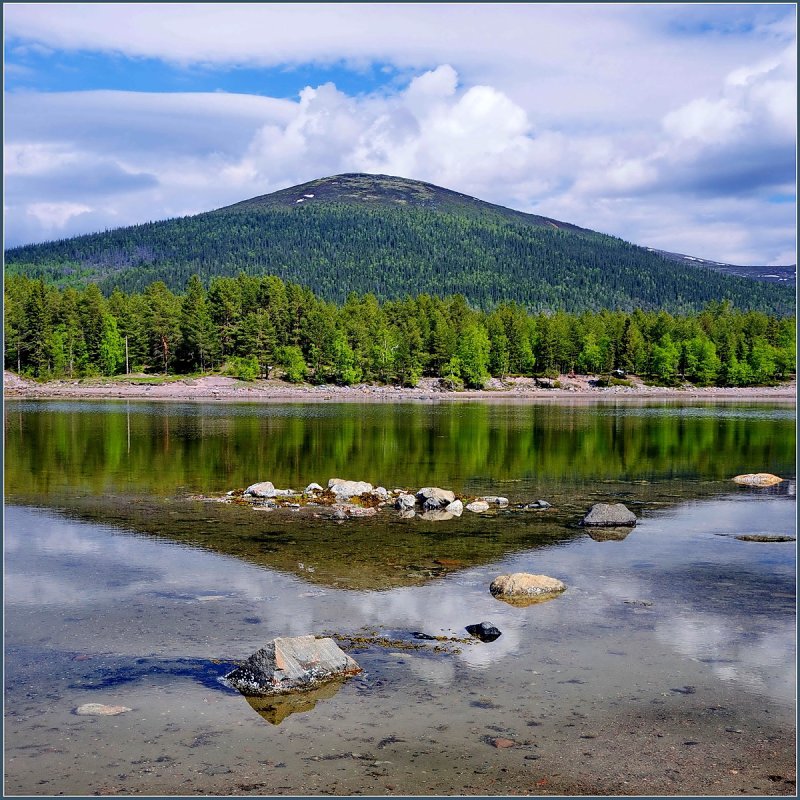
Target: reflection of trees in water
x=460, y=446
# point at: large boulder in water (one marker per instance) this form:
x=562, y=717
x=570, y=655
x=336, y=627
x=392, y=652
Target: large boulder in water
x=292, y=664
x=608, y=515
x=524, y=588
x=759, y=479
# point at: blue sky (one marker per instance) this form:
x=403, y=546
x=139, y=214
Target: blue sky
x=673, y=126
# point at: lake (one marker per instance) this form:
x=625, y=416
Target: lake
x=667, y=666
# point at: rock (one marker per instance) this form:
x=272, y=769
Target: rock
x=433, y=497
x=436, y=515
x=339, y=514
x=758, y=537
x=381, y=493
x=523, y=588
x=609, y=534
x=292, y=664
x=609, y=516
x=478, y=506
x=456, y=508
x=757, y=479
x=313, y=488
x=359, y=511
x=408, y=513
x=537, y=505
x=285, y=493
x=484, y=631
x=501, y=743
x=343, y=488
x=263, y=489
x=100, y=710
x=406, y=502
x=494, y=500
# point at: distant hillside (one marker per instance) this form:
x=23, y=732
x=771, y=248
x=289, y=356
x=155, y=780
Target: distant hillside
x=396, y=237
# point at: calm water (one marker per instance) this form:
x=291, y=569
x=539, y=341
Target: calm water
x=122, y=590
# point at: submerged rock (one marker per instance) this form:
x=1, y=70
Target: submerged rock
x=609, y=515
x=407, y=513
x=484, y=631
x=100, y=710
x=524, y=588
x=291, y=664
x=757, y=479
x=759, y=537
x=433, y=497
x=343, y=488
x=478, y=506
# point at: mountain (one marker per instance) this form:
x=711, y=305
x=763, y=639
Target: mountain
x=396, y=237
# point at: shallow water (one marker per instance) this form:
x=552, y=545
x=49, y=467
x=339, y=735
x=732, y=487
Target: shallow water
x=121, y=591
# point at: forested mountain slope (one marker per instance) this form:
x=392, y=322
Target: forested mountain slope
x=395, y=237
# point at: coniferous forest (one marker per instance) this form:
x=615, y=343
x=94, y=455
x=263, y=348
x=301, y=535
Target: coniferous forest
x=255, y=327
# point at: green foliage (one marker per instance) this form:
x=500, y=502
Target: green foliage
x=244, y=368
x=290, y=358
x=265, y=322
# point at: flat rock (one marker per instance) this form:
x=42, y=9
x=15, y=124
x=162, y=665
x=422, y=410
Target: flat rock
x=609, y=515
x=100, y=710
x=434, y=497
x=343, y=488
x=263, y=489
x=484, y=631
x=477, y=506
x=524, y=587
x=359, y=511
x=456, y=508
x=292, y=664
x=759, y=537
x=757, y=479
x=494, y=500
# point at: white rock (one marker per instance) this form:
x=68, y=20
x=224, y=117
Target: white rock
x=478, y=506
x=263, y=489
x=100, y=710
x=456, y=508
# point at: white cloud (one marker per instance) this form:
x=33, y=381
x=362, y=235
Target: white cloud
x=601, y=116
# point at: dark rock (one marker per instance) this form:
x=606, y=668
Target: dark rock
x=607, y=515
x=484, y=631
x=292, y=664
x=757, y=537
x=423, y=636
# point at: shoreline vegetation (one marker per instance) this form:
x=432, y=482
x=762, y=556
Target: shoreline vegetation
x=259, y=329
x=576, y=388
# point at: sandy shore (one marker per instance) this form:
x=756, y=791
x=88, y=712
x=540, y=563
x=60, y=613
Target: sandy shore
x=578, y=388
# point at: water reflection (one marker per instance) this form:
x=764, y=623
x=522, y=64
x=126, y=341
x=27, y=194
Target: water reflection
x=694, y=592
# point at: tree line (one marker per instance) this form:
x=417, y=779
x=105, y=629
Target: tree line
x=257, y=327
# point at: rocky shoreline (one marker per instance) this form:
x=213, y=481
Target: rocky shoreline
x=577, y=388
